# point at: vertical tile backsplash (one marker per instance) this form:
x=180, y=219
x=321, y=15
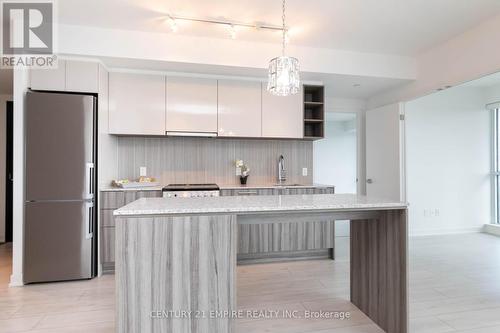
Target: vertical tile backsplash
x=207, y=160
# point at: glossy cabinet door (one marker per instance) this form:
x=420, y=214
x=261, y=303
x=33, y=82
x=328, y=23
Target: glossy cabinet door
x=136, y=104
x=49, y=79
x=282, y=116
x=82, y=76
x=240, y=109
x=191, y=105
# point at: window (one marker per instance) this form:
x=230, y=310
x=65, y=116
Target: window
x=496, y=166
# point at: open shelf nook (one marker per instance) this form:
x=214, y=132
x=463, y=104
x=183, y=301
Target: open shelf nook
x=314, y=112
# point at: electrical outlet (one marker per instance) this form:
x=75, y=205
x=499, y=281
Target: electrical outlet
x=143, y=171
x=304, y=172
x=238, y=171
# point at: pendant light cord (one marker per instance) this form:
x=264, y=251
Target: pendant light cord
x=284, y=30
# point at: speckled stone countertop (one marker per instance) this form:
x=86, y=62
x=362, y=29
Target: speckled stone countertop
x=259, y=186
x=222, y=187
x=118, y=189
x=255, y=204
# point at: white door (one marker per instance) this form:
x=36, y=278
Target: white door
x=385, y=152
x=282, y=116
x=136, y=104
x=82, y=76
x=49, y=78
x=191, y=105
x=240, y=109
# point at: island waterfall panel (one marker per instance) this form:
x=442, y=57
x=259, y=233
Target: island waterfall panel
x=378, y=256
x=175, y=263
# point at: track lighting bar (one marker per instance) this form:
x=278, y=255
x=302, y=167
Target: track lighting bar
x=231, y=24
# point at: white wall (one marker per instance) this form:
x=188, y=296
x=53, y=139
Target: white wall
x=339, y=158
x=492, y=93
x=107, y=149
x=3, y=100
x=357, y=107
x=92, y=41
x=335, y=157
x=448, y=162
x=21, y=80
x=468, y=56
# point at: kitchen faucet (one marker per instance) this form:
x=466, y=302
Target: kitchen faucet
x=281, y=170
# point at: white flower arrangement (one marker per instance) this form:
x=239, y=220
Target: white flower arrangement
x=245, y=170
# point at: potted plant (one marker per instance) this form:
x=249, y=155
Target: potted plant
x=244, y=171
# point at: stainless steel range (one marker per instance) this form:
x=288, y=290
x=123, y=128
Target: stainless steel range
x=190, y=190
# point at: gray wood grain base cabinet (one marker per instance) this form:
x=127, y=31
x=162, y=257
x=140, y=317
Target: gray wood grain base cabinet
x=111, y=200
x=284, y=240
x=188, y=263
x=255, y=243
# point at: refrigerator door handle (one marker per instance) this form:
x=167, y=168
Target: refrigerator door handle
x=89, y=180
x=89, y=219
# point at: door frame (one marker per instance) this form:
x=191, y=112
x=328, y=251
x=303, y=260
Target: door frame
x=9, y=160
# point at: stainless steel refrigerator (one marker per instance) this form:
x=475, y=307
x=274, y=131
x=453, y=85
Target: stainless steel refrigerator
x=59, y=239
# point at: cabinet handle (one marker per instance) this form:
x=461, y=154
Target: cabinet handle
x=89, y=173
x=246, y=192
x=89, y=220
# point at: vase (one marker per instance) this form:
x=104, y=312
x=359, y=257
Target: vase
x=243, y=180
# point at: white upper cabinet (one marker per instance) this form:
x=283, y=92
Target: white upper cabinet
x=282, y=116
x=136, y=104
x=191, y=105
x=82, y=76
x=70, y=75
x=240, y=108
x=49, y=79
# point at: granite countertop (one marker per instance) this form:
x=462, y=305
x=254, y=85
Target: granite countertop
x=253, y=204
x=222, y=187
x=117, y=189
x=259, y=186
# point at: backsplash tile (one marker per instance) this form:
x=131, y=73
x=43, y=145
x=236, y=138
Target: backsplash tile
x=207, y=160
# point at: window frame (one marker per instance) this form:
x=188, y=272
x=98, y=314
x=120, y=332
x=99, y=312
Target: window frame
x=495, y=175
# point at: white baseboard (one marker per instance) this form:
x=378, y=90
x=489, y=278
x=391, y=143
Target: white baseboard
x=493, y=229
x=435, y=232
x=16, y=280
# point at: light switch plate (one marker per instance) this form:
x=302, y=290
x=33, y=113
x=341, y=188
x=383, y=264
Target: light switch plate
x=304, y=172
x=238, y=171
x=143, y=171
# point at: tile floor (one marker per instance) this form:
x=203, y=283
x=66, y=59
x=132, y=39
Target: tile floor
x=454, y=287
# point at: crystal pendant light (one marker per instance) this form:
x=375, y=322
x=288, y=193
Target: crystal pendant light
x=284, y=77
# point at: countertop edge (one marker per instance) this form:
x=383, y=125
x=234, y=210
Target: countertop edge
x=257, y=212
x=252, y=205
x=222, y=187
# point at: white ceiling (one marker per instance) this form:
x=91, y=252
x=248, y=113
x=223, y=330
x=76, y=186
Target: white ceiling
x=336, y=85
x=403, y=27
x=356, y=87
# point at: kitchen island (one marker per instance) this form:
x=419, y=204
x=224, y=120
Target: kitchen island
x=176, y=259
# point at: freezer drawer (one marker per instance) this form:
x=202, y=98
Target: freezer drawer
x=58, y=241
